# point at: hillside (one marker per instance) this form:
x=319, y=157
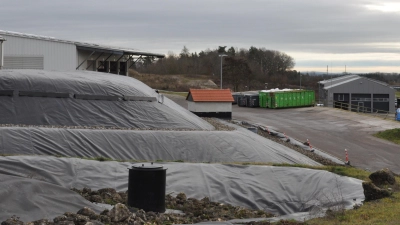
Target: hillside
x=179, y=82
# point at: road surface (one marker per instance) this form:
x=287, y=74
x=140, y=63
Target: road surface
x=330, y=130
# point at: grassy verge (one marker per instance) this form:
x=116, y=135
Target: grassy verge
x=339, y=170
x=380, y=212
x=184, y=94
x=397, y=94
x=392, y=135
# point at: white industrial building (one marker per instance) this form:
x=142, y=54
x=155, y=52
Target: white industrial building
x=26, y=51
x=357, y=93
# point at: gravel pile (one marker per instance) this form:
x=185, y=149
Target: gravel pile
x=218, y=125
x=194, y=210
x=121, y=215
x=185, y=211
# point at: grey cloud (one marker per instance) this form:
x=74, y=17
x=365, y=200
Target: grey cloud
x=157, y=25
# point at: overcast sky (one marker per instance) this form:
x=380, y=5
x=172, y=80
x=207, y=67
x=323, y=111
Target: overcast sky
x=363, y=35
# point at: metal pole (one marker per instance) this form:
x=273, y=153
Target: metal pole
x=1, y=54
x=300, y=81
x=221, y=70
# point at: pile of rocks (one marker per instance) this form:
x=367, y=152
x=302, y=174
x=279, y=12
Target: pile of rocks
x=190, y=211
x=121, y=215
x=382, y=185
x=218, y=125
x=194, y=210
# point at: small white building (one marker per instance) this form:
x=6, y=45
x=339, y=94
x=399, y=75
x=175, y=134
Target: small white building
x=210, y=102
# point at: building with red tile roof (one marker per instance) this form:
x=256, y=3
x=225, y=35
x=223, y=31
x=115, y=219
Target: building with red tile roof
x=210, y=102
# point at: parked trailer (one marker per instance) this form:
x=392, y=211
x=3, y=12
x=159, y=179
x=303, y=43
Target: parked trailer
x=287, y=99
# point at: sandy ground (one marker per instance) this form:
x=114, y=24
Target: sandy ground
x=330, y=130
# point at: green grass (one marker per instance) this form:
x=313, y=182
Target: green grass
x=390, y=135
x=184, y=94
x=339, y=170
x=380, y=212
x=397, y=94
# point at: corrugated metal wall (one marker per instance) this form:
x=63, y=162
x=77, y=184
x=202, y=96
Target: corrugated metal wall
x=364, y=86
x=28, y=53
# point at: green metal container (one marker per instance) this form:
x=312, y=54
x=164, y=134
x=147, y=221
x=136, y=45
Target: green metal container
x=287, y=99
x=263, y=99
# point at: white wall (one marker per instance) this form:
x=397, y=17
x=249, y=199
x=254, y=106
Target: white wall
x=56, y=55
x=210, y=106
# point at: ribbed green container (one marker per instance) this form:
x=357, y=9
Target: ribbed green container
x=287, y=99
x=263, y=99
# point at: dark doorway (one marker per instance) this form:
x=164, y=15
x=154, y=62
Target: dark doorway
x=361, y=103
x=122, y=68
x=113, y=67
x=103, y=66
x=341, y=100
x=381, y=103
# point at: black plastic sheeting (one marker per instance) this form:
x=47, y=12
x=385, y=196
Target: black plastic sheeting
x=100, y=101
x=279, y=190
x=32, y=199
x=239, y=145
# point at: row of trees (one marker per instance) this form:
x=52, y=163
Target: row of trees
x=243, y=69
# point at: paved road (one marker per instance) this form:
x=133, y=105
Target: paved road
x=330, y=130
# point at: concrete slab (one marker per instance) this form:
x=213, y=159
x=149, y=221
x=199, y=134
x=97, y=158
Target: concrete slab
x=333, y=130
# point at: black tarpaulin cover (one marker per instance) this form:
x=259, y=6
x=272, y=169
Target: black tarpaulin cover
x=280, y=190
x=77, y=112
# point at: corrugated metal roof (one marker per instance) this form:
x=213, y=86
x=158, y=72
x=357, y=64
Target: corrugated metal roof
x=88, y=46
x=210, y=95
x=339, y=82
x=339, y=79
x=346, y=79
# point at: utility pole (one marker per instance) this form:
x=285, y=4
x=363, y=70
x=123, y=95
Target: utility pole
x=221, y=51
x=223, y=55
x=300, y=80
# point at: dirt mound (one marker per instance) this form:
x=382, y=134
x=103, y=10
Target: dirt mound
x=372, y=192
x=383, y=177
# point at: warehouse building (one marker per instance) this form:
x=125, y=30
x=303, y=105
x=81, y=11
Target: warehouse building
x=27, y=51
x=357, y=93
x=210, y=102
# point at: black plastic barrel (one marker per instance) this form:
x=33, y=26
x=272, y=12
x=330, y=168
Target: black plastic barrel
x=146, y=187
